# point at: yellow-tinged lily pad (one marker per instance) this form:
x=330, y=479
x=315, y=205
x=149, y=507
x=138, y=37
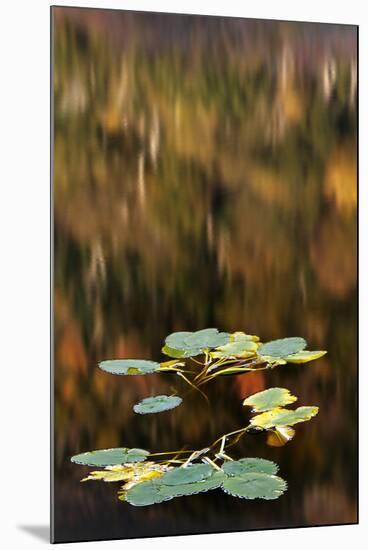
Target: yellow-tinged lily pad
x=241, y=345
x=181, y=353
x=304, y=356
x=237, y=335
x=283, y=417
x=280, y=435
x=108, y=475
x=269, y=399
x=128, y=472
x=272, y=360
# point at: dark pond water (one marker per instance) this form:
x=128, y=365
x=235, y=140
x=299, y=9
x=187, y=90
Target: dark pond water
x=204, y=175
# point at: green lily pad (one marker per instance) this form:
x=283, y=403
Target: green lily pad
x=248, y=478
x=283, y=417
x=194, y=343
x=255, y=485
x=249, y=465
x=145, y=493
x=129, y=366
x=181, y=353
x=207, y=338
x=185, y=489
x=283, y=346
x=176, y=340
x=304, y=356
x=155, y=491
x=269, y=399
x=189, y=474
x=110, y=457
x=156, y=404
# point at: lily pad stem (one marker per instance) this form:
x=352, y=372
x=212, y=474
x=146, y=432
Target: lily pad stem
x=211, y=462
x=192, y=385
x=240, y=431
x=224, y=456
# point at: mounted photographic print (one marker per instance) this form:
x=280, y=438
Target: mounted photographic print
x=204, y=174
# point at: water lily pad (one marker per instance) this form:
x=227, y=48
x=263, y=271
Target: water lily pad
x=181, y=353
x=176, y=340
x=304, y=356
x=238, y=335
x=155, y=491
x=240, y=345
x=158, y=403
x=107, y=475
x=109, y=457
x=145, y=493
x=185, y=489
x=129, y=366
x=207, y=338
x=283, y=417
x=189, y=474
x=255, y=485
x=274, y=360
x=283, y=346
x=249, y=465
x=269, y=399
x=194, y=343
x=127, y=472
x=245, y=478
x=167, y=365
x=280, y=435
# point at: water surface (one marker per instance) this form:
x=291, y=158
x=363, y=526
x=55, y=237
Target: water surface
x=204, y=175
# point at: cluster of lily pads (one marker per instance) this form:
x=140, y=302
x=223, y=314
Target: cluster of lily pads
x=245, y=478
x=147, y=482
x=203, y=355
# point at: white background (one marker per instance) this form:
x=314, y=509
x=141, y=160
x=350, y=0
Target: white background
x=24, y=271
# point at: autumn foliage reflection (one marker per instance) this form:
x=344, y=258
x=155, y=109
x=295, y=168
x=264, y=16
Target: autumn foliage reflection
x=203, y=182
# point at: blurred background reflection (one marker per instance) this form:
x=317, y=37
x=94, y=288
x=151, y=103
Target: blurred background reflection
x=204, y=175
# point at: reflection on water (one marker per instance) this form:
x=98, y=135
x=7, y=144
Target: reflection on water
x=204, y=175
